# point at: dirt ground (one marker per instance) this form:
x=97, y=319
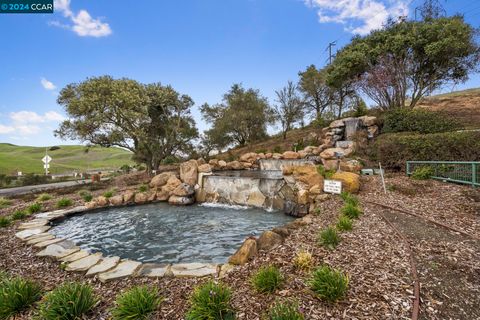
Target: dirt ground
x=374, y=257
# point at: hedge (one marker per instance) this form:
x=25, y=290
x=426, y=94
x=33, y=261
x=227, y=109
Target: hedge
x=394, y=149
x=418, y=120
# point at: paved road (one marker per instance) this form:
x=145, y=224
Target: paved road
x=41, y=187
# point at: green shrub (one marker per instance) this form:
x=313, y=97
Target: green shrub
x=5, y=203
x=34, y=208
x=418, y=120
x=349, y=198
x=108, y=194
x=329, y=238
x=17, y=295
x=19, y=215
x=64, y=202
x=143, y=188
x=267, y=279
x=169, y=160
x=69, y=301
x=327, y=174
x=87, y=197
x=5, y=222
x=277, y=149
x=393, y=150
x=44, y=197
x=137, y=303
x=344, y=223
x=328, y=283
x=287, y=310
x=211, y=301
x=351, y=211
x=422, y=173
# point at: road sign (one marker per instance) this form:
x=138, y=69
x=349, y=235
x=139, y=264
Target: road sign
x=46, y=166
x=46, y=159
x=332, y=186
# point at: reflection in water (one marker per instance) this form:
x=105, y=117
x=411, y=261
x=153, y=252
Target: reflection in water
x=162, y=233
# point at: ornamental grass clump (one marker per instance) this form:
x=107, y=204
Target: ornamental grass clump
x=328, y=283
x=143, y=188
x=44, y=197
x=5, y=222
x=34, y=208
x=16, y=295
x=344, y=223
x=351, y=211
x=108, y=194
x=287, y=310
x=64, y=202
x=211, y=301
x=136, y=303
x=70, y=301
x=267, y=279
x=4, y=203
x=329, y=238
x=19, y=215
x=349, y=198
x=303, y=260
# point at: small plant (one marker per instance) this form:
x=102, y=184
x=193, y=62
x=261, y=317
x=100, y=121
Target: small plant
x=19, y=215
x=422, y=173
x=5, y=222
x=34, y=208
x=349, y=198
x=87, y=197
x=136, y=303
x=143, y=188
x=70, y=301
x=17, y=295
x=328, y=283
x=108, y=194
x=317, y=211
x=287, y=310
x=64, y=202
x=327, y=174
x=267, y=279
x=344, y=223
x=5, y=202
x=211, y=301
x=351, y=211
x=329, y=238
x=44, y=197
x=303, y=260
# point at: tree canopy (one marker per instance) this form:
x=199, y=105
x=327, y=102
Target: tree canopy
x=397, y=65
x=242, y=117
x=151, y=120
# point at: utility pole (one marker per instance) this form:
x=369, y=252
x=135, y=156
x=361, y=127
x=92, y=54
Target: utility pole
x=329, y=48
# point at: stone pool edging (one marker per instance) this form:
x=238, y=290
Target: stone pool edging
x=74, y=259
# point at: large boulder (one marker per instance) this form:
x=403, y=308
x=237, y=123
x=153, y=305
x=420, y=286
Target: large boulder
x=235, y=165
x=308, y=175
x=189, y=172
x=368, y=121
x=291, y=155
x=249, y=157
x=350, y=181
x=205, y=168
x=116, y=200
x=101, y=201
x=172, y=183
x=351, y=166
x=160, y=179
x=222, y=164
x=256, y=199
x=302, y=197
x=162, y=195
x=337, y=124
x=269, y=240
x=141, y=198
x=247, y=251
x=180, y=201
x=129, y=196
x=183, y=190
x=330, y=153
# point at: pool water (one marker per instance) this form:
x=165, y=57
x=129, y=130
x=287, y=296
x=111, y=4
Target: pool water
x=160, y=233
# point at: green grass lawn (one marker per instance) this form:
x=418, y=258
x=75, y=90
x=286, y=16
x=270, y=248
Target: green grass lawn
x=66, y=159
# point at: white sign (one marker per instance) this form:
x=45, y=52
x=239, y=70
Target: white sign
x=332, y=186
x=46, y=159
x=46, y=166
x=19, y=173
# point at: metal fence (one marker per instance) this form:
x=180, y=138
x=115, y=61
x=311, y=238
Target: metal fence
x=465, y=172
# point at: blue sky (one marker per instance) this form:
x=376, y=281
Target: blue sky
x=201, y=47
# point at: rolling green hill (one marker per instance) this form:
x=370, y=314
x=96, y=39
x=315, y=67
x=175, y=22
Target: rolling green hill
x=66, y=159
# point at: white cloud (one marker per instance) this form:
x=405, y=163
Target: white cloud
x=25, y=123
x=82, y=23
x=48, y=85
x=359, y=16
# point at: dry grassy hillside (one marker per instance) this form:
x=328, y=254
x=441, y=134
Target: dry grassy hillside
x=462, y=105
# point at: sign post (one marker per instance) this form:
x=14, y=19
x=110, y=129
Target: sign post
x=46, y=160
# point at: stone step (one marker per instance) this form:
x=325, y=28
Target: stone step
x=36, y=223
x=75, y=256
x=124, y=269
x=46, y=243
x=44, y=237
x=31, y=232
x=85, y=263
x=193, y=269
x=59, y=250
x=103, y=266
x=154, y=270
